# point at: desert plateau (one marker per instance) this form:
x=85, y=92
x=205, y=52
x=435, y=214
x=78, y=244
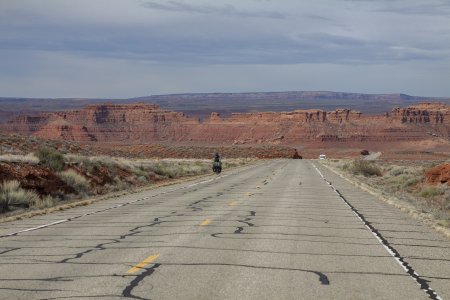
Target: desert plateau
x=417, y=131
x=101, y=148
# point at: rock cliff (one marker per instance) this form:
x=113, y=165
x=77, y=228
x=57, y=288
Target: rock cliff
x=127, y=123
x=145, y=123
x=432, y=113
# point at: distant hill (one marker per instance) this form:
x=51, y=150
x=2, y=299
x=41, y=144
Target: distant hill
x=202, y=104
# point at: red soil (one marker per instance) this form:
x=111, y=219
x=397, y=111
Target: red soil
x=34, y=177
x=438, y=175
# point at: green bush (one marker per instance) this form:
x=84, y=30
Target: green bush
x=12, y=194
x=430, y=191
x=91, y=166
x=119, y=185
x=75, y=180
x=140, y=172
x=366, y=168
x=50, y=158
x=411, y=182
x=396, y=171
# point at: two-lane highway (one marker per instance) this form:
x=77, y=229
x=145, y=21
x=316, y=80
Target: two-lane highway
x=284, y=229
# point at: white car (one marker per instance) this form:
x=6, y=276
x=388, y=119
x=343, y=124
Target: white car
x=322, y=156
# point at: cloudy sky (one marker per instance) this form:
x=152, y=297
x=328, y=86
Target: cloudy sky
x=127, y=48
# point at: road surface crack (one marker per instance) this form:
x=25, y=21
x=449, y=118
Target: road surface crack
x=394, y=252
x=9, y=250
x=246, y=221
x=134, y=231
x=128, y=291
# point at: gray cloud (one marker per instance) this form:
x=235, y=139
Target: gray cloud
x=409, y=7
x=223, y=10
x=319, y=17
x=134, y=47
x=430, y=9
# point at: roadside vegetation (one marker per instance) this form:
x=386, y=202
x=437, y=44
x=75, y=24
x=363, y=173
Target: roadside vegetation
x=363, y=167
x=51, y=159
x=12, y=194
x=404, y=181
x=48, y=177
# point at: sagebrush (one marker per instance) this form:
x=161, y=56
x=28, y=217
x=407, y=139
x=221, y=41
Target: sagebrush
x=366, y=168
x=75, y=180
x=51, y=158
x=12, y=194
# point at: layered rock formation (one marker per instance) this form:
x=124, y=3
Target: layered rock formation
x=431, y=113
x=144, y=123
x=128, y=123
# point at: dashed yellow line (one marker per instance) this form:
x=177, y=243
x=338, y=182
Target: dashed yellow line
x=206, y=222
x=233, y=203
x=142, y=264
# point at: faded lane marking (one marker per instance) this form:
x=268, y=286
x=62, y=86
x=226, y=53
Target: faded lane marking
x=206, y=222
x=142, y=264
x=232, y=203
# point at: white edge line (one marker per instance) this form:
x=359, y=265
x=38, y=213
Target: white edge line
x=373, y=233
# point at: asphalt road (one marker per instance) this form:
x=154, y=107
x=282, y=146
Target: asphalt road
x=279, y=230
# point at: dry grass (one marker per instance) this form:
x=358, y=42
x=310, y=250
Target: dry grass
x=47, y=201
x=76, y=203
x=28, y=158
x=96, y=175
x=365, y=167
x=431, y=191
x=75, y=180
x=12, y=194
x=174, y=169
x=147, y=171
x=165, y=168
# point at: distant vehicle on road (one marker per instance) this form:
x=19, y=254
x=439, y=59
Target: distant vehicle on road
x=217, y=164
x=322, y=156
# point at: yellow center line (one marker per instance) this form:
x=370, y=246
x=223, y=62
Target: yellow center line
x=206, y=222
x=232, y=203
x=142, y=264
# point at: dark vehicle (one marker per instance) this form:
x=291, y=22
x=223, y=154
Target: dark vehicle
x=217, y=167
x=217, y=164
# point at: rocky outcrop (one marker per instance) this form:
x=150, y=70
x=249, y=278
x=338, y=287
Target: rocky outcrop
x=438, y=175
x=145, y=123
x=432, y=113
x=132, y=123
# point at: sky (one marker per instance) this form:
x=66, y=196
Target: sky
x=129, y=48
